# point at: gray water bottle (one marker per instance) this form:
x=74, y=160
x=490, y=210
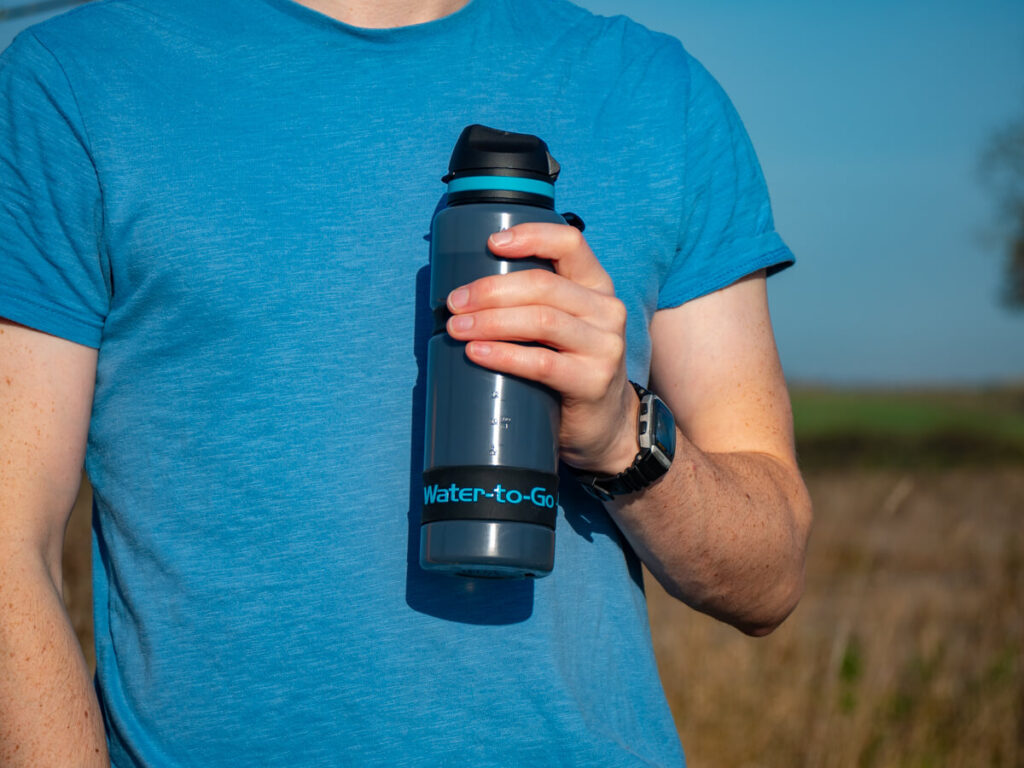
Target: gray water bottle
x=490, y=483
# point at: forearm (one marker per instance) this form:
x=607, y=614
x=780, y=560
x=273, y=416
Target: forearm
x=724, y=530
x=725, y=533
x=49, y=714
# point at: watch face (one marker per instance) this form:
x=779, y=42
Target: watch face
x=664, y=430
x=657, y=435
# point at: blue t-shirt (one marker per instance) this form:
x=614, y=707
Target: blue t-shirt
x=230, y=201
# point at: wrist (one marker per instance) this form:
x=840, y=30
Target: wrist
x=650, y=451
x=623, y=448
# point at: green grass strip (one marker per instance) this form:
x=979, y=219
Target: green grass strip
x=909, y=428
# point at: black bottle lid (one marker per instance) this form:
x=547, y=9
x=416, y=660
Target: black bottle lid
x=489, y=165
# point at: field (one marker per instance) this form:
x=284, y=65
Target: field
x=932, y=429
x=908, y=647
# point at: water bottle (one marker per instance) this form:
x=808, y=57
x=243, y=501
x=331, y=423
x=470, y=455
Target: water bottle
x=490, y=483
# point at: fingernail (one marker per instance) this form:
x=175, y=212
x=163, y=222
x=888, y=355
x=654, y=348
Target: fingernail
x=502, y=238
x=481, y=348
x=458, y=298
x=461, y=322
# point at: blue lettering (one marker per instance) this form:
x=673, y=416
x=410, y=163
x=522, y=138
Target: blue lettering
x=538, y=496
x=541, y=499
x=432, y=494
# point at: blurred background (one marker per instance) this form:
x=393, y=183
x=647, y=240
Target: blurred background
x=892, y=138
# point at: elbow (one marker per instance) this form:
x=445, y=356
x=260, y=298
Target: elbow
x=784, y=594
x=756, y=611
x=756, y=587
x=764, y=625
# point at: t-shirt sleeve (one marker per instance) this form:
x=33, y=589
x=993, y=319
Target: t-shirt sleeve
x=51, y=213
x=726, y=227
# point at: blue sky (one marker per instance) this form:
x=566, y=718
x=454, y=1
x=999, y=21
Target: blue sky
x=869, y=119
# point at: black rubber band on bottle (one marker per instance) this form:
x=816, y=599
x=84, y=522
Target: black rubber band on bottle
x=491, y=493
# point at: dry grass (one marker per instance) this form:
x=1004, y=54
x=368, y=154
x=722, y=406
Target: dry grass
x=907, y=650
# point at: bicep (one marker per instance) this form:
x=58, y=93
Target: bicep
x=46, y=389
x=714, y=361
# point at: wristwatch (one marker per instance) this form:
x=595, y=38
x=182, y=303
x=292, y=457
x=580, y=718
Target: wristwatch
x=656, y=436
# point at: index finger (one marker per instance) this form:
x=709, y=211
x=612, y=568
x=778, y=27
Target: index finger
x=563, y=245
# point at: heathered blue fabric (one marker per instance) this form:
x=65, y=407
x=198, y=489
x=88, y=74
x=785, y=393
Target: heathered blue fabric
x=230, y=200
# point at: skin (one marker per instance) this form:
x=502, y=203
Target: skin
x=725, y=530
x=48, y=711
x=381, y=15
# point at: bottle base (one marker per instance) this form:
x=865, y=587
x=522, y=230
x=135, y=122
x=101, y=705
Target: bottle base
x=487, y=549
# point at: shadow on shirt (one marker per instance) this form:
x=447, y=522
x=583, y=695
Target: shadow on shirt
x=457, y=598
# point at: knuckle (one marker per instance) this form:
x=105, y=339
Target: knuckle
x=606, y=373
x=484, y=323
x=574, y=238
x=539, y=281
x=616, y=351
x=618, y=314
x=547, y=319
x=506, y=354
x=485, y=289
x=545, y=364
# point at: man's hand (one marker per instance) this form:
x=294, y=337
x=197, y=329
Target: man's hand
x=726, y=529
x=574, y=314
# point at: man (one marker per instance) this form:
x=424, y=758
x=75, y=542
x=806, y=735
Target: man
x=212, y=223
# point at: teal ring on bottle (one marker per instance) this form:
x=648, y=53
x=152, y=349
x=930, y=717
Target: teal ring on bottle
x=505, y=183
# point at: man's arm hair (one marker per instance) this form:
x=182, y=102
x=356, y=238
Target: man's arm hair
x=726, y=529
x=49, y=714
